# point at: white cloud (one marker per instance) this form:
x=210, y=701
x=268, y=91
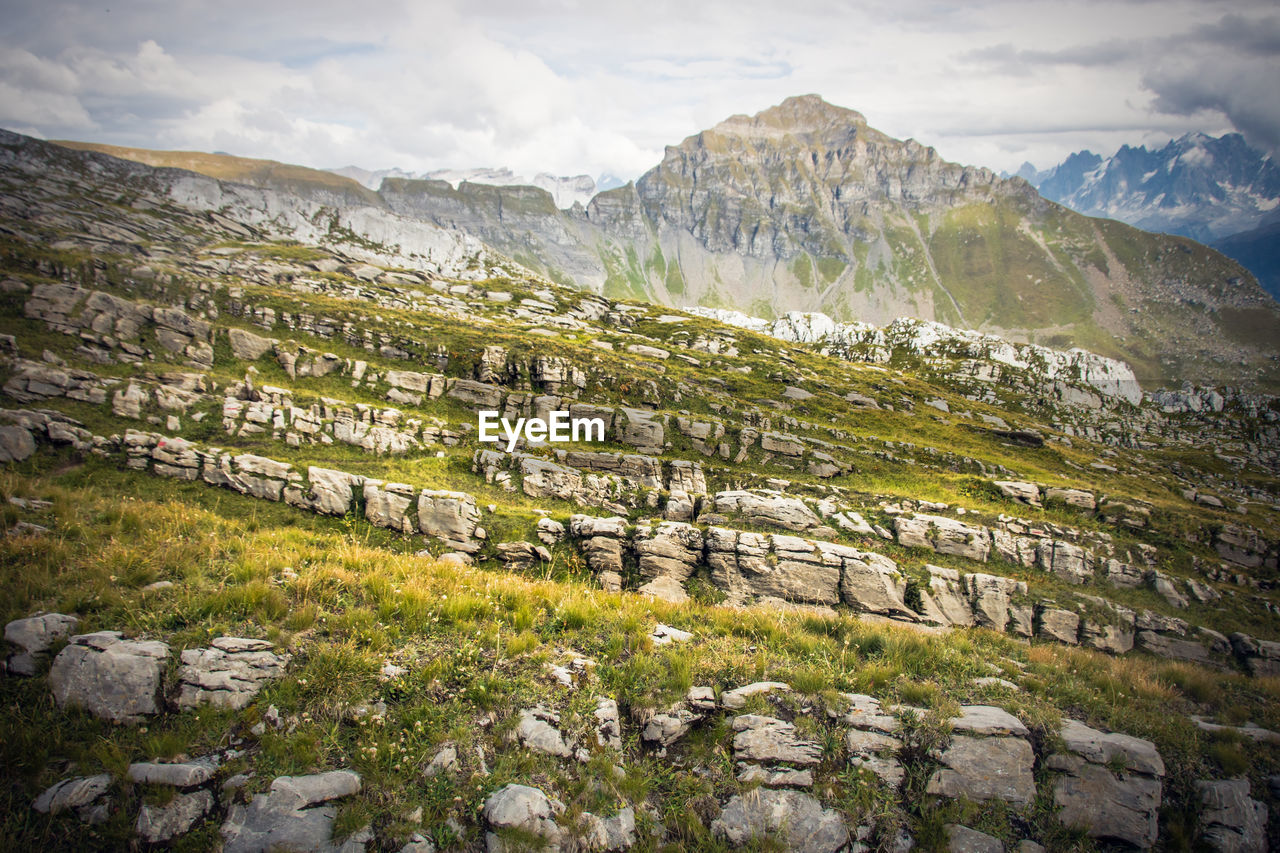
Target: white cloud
x=569, y=87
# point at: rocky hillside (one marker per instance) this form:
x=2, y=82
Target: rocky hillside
x=820, y=586
x=804, y=207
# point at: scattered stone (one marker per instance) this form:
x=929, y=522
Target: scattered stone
x=189, y=774
x=612, y=833
x=664, y=634
x=878, y=753
x=109, y=676
x=774, y=777
x=767, y=740
x=663, y=730
x=444, y=761
x=987, y=720
x=608, y=724
x=701, y=698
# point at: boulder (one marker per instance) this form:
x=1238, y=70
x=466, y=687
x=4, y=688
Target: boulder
x=799, y=820
x=158, y=824
x=35, y=635
x=766, y=740
x=536, y=732
x=86, y=795
x=451, y=516
x=1072, y=497
x=16, y=444
x=229, y=674
x=247, y=346
x=1110, y=786
x=521, y=811
x=986, y=769
x=1061, y=626
x=109, y=676
x=962, y=839
x=944, y=535
x=665, y=588
x=768, y=508
x=295, y=814
x=1025, y=493
x=1230, y=821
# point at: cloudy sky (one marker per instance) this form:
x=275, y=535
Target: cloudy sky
x=601, y=86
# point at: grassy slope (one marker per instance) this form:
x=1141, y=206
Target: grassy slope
x=475, y=642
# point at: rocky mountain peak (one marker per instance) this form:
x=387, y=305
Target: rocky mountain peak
x=796, y=116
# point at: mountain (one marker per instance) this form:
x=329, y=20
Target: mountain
x=1219, y=191
x=1258, y=250
x=1198, y=186
x=804, y=207
x=565, y=191
x=808, y=585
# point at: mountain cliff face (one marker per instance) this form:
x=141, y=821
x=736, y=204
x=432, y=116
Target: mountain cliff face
x=804, y=207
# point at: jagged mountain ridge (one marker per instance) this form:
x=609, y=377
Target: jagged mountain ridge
x=805, y=207
x=1219, y=191
x=1199, y=186
x=566, y=190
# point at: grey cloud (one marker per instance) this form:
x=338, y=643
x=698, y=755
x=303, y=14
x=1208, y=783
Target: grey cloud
x=1244, y=92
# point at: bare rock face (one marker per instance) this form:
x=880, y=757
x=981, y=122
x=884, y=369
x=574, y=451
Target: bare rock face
x=229, y=674
x=34, y=636
x=797, y=819
x=109, y=676
x=1230, y=821
x=523, y=812
x=1108, y=804
x=294, y=815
